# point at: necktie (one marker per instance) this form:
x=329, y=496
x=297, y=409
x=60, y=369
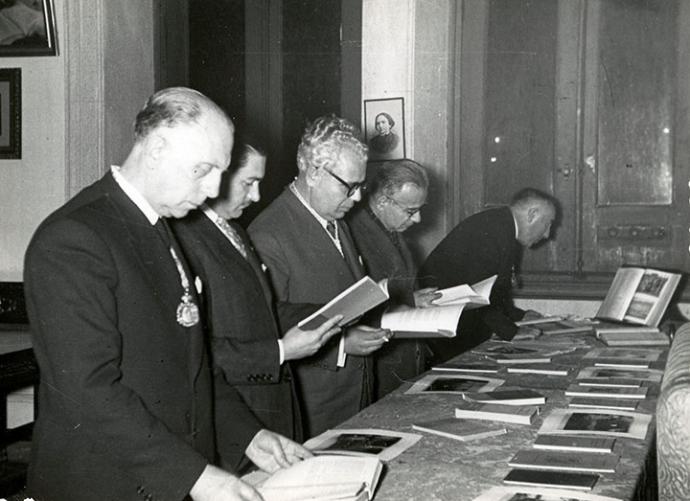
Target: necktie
x=232, y=235
x=332, y=230
x=163, y=230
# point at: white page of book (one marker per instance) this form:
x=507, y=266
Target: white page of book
x=462, y=294
x=615, y=305
x=434, y=318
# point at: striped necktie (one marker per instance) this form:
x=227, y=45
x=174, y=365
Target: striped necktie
x=232, y=235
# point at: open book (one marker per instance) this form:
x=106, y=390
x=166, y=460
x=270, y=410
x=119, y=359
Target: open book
x=440, y=320
x=472, y=296
x=321, y=478
x=352, y=303
x=638, y=296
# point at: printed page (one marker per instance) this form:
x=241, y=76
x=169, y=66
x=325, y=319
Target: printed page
x=462, y=294
x=651, y=297
x=620, y=293
x=433, y=319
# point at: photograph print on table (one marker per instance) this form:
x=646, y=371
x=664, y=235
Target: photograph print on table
x=383, y=444
x=596, y=422
x=456, y=384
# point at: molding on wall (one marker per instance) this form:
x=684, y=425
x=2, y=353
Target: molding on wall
x=84, y=109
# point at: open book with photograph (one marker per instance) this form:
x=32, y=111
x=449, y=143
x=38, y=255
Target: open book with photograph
x=470, y=295
x=596, y=422
x=321, y=478
x=382, y=444
x=352, y=303
x=454, y=384
x=639, y=296
x=514, y=493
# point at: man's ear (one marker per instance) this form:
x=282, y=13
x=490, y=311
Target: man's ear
x=155, y=147
x=532, y=214
x=312, y=175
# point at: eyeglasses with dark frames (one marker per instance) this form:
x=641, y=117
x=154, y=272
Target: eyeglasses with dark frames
x=351, y=187
x=410, y=211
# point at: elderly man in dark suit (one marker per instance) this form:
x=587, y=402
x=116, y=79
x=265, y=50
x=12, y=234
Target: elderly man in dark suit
x=248, y=353
x=311, y=258
x=396, y=193
x=485, y=244
x=125, y=393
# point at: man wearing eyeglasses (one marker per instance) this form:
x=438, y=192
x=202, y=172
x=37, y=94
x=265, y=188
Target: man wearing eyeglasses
x=311, y=258
x=396, y=193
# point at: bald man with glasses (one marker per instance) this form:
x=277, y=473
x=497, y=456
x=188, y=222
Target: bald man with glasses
x=311, y=257
x=396, y=193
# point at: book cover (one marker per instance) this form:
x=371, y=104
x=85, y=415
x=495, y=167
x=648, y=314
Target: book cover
x=644, y=374
x=624, y=354
x=588, y=462
x=596, y=422
x=566, y=327
x=352, y=303
x=575, y=390
x=574, y=443
x=457, y=429
x=539, y=320
x=638, y=296
x=546, y=370
x=563, y=479
x=383, y=444
x=603, y=403
x=611, y=382
x=455, y=384
x=657, y=338
x=471, y=367
x=496, y=412
x=523, y=493
x=475, y=295
x=517, y=396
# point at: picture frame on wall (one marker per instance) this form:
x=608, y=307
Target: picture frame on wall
x=27, y=28
x=10, y=113
x=384, y=128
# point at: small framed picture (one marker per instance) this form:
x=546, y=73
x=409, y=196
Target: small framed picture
x=10, y=113
x=384, y=128
x=27, y=28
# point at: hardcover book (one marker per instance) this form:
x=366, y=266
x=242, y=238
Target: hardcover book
x=566, y=327
x=562, y=479
x=517, y=396
x=352, y=303
x=611, y=382
x=574, y=443
x=651, y=375
x=459, y=429
x=496, y=412
x=588, y=462
x=613, y=338
x=575, y=390
x=603, y=403
x=546, y=370
x=471, y=367
x=639, y=296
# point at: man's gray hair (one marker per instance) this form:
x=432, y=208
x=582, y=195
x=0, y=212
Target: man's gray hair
x=325, y=138
x=171, y=107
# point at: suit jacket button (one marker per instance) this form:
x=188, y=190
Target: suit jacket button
x=140, y=489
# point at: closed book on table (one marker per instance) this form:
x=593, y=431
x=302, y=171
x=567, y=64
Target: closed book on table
x=459, y=429
x=603, y=403
x=519, y=396
x=496, y=412
x=574, y=443
x=542, y=478
x=610, y=382
x=643, y=338
x=575, y=390
x=543, y=369
x=565, y=461
x=470, y=367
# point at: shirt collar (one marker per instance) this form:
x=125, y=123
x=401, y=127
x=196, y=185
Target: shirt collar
x=134, y=195
x=299, y=196
x=516, y=225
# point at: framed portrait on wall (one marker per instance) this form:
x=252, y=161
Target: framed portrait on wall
x=10, y=113
x=27, y=28
x=384, y=128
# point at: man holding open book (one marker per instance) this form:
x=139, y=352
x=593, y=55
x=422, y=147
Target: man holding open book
x=311, y=258
x=488, y=243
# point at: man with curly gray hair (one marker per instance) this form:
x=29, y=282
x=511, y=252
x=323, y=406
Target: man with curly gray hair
x=311, y=257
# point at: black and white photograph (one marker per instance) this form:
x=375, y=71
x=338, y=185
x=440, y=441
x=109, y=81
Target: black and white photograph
x=10, y=113
x=27, y=28
x=453, y=384
x=384, y=122
x=596, y=422
x=384, y=444
x=538, y=494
